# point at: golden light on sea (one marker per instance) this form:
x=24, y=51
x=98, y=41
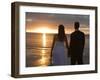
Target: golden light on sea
x=43, y=51
x=43, y=61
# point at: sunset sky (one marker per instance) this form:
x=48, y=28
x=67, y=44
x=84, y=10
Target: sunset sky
x=48, y=23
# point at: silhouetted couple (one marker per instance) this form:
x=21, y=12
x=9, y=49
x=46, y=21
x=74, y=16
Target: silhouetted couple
x=62, y=54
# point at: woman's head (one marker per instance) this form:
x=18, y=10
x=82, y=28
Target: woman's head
x=61, y=33
x=61, y=28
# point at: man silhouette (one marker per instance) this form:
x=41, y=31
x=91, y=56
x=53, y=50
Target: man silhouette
x=76, y=45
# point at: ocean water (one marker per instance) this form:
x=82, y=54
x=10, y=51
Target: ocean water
x=38, y=49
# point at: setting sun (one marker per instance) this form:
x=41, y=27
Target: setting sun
x=42, y=30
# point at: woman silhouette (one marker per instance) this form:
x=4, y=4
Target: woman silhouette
x=60, y=47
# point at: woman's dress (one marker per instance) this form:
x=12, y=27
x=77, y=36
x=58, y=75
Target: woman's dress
x=59, y=54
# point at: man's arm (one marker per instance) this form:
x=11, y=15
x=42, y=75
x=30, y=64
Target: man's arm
x=83, y=40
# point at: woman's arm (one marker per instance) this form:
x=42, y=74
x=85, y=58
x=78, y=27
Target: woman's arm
x=53, y=42
x=66, y=42
x=54, y=39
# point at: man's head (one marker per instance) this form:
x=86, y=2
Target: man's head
x=76, y=25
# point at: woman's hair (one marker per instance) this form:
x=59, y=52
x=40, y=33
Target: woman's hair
x=61, y=33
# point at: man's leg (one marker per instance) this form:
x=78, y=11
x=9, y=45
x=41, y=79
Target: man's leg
x=80, y=60
x=73, y=61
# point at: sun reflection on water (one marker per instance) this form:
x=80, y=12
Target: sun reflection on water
x=44, y=54
x=43, y=60
x=44, y=40
x=43, y=51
